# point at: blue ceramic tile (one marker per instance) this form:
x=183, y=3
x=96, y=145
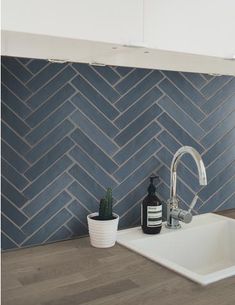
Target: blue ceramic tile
x=16, y=68
x=219, y=197
x=13, y=231
x=14, y=103
x=52, y=104
x=214, y=85
x=137, y=125
x=131, y=79
x=139, y=158
x=134, y=196
x=141, y=173
x=181, y=118
x=7, y=244
x=10, y=192
x=93, y=151
x=79, y=211
x=47, y=160
x=224, y=93
x=14, y=122
x=36, y=65
x=47, y=194
x=228, y=204
x=217, y=182
x=94, y=115
x=9, y=210
x=48, y=176
x=123, y=70
x=94, y=97
x=49, y=141
x=185, y=86
x=108, y=73
x=65, y=142
x=40, y=79
x=14, y=140
x=136, y=143
x=92, y=204
x=139, y=107
x=219, y=147
x=98, y=82
x=50, y=88
x=13, y=158
x=76, y=227
x=61, y=234
x=51, y=122
x=182, y=101
x=137, y=91
x=224, y=159
x=182, y=136
x=91, y=130
x=13, y=176
x=221, y=113
x=48, y=229
x=15, y=85
x=92, y=167
x=45, y=214
x=195, y=78
x=87, y=182
x=219, y=131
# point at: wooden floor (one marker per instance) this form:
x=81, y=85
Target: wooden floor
x=72, y=273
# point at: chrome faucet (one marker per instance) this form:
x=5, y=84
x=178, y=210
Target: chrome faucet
x=174, y=213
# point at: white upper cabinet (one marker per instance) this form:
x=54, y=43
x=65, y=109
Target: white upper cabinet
x=110, y=21
x=204, y=27
x=183, y=35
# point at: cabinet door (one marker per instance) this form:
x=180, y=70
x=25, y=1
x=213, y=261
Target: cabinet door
x=114, y=21
x=205, y=27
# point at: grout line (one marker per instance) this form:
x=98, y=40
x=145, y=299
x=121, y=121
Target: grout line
x=45, y=223
x=188, y=98
x=106, y=99
x=99, y=129
x=39, y=176
x=15, y=206
x=12, y=240
x=218, y=190
x=212, y=113
x=217, y=208
x=36, y=143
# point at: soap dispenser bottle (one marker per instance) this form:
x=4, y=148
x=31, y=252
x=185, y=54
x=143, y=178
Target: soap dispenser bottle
x=151, y=211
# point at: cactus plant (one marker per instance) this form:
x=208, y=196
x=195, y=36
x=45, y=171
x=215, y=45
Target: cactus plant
x=106, y=206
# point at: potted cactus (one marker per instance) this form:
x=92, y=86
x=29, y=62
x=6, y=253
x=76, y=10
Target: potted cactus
x=103, y=226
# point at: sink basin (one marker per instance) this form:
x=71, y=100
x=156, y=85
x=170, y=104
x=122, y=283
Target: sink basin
x=203, y=251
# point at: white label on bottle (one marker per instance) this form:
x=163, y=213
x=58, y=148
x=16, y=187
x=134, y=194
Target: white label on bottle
x=154, y=216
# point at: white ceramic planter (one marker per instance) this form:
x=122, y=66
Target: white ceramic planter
x=103, y=233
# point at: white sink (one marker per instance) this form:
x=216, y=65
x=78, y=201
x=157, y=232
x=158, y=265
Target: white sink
x=203, y=251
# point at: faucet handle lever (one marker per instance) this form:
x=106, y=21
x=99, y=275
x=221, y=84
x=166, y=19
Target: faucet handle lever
x=193, y=203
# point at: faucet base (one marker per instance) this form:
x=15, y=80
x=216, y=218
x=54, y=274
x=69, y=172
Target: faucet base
x=172, y=227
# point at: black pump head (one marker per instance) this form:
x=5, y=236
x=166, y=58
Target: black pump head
x=152, y=188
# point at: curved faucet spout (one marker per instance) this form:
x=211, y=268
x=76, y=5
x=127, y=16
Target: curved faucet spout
x=200, y=167
x=174, y=213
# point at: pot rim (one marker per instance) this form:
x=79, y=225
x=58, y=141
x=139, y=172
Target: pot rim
x=89, y=216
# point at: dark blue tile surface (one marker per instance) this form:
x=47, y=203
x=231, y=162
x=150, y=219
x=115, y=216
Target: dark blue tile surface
x=95, y=97
x=69, y=131
x=98, y=82
x=91, y=130
x=94, y=151
x=94, y=115
x=14, y=103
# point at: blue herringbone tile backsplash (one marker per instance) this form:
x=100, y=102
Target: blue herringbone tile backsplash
x=71, y=130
